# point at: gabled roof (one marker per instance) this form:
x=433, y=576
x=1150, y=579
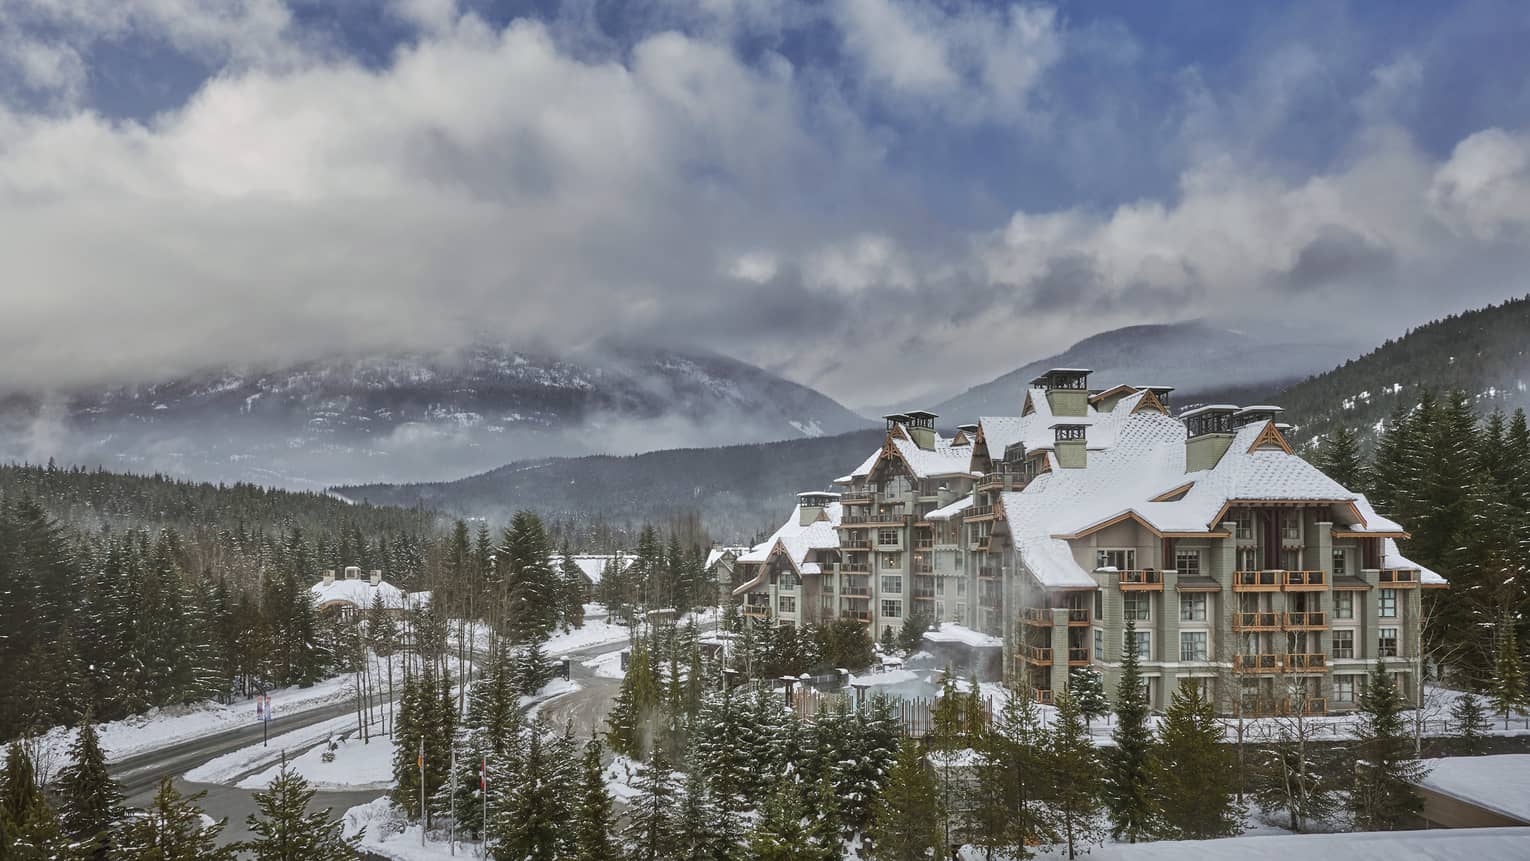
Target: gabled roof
x=795, y=542
x=940, y=459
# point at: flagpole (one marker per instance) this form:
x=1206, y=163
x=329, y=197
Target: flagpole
x=452, y=805
x=422, y=789
x=483, y=789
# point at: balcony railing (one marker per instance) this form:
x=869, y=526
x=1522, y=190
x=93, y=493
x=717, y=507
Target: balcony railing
x=855, y=567
x=1303, y=662
x=855, y=544
x=1256, y=621
x=857, y=615
x=1043, y=696
x=1398, y=576
x=1297, y=581
x=1037, y=616
x=1316, y=705
x=986, y=573
x=1256, y=663
x=1140, y=580
x=978, y=511
x=923, y=543
x=1078, y=657
x=1078, y=615
x=760, y=610
x=854, y=587
x=1282, y=707
x=1039, y=655
x=1312, y=619
x=1257, y=581
x=856, y=497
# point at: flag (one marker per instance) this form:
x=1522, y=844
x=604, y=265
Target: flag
x=483, y=774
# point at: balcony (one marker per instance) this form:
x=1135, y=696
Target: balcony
x=1306, y=662
x=1041, y=616
x=855, y=544
x=1258, y=581
x=987, y=573
x=757, y=611
x=1399, y=576
x=1256, y=663
x=1306, y=581
x=924, y=543
x=856, y=497
x=1000, y=481
x=1043, y=697
x=890, y=516
x=1308, y=621
x=1256, y=621
x=1140, y=581
x=1039, y=655
x=1078, y=616
x=855, y=587
x=1078, y=657
x=979, y=512
x=1316, y=706
x=857, y=615
x=855, y=567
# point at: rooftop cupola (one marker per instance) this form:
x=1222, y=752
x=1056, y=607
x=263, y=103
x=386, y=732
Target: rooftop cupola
x=353, y=572
x=811, y=505
x=329, y=576
x=1209, y=431
x=1256, y=415
x=1068, y=443
x=1159, y=392
x=1067, y=390
x=376, y=576
x=921, y=428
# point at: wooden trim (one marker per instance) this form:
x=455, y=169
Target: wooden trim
x=1173, y=494
x=1029, y=407
x=1150, y=401
x=1270, y=436
x=1434, y=585
x=1281, y=503
x=1347, y=533
x=1100, y=396
x=1123, y=516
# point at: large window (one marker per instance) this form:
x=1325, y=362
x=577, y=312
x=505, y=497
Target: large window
x=1387, y=643
x=1136, y=606
x=1244, y=524
x=787, y=603
x=887, y=537
x=1340, y=562
x=892, y=561
x=1386, y=604
x=1343, y=643
x=1099, y=644
x=892, y=609
x=1290, y=525
x=1119, y=559
x=1144, y=645
x=1344, y=605
x=1188, y=563
x=787, y=581
x=1343, y=689
x=1192, y=645
x=1192, y=607
x=892, y=584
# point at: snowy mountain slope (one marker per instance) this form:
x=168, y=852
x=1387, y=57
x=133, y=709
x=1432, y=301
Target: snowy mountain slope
x=1199, y=359
x=415, y=417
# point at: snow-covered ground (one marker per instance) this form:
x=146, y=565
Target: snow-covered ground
x=606, y=666
x=231, y=766
x=1477, y=844
x=356, y=765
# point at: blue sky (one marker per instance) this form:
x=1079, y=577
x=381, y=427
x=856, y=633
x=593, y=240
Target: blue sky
x=866, y=195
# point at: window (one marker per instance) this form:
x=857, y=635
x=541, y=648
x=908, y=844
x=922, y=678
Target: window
x=1099, y=643
x=1340, y=562
x=1344, y=605
x=1144, y=645
x=787, y=581
x=892, y=584
x=1192, y=607
x=1192, y=645
x=1188, y=563
x=1099, y=604
x=787, y=603
x=961, y=612
x=892, y=561
x=1121, y=560
x=961, y=585
x=1386, y=604
x=1135, y=606
x=887, y=537
x=826, y=605
x=1248, y=559
x=1343, y=643
x=1290, y=525
x=1244, y=524
x=892, y=609
x=1388, y=642
x=1343, y=689
x=1291, y=560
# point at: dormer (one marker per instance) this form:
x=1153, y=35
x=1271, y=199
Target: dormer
x=1068, y=443
x=1208, y=433
x=1067, y=390
x=921, y=428
x=965, y=434
x=812, y=504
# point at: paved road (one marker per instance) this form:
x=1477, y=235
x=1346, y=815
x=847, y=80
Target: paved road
x=587, y=706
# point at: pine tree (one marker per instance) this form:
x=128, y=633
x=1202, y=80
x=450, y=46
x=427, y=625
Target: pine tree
x=636, y=703
x=527, y=827
x=1126, y=791
x=1340, y=458
x=912, y=633
x=1471, y=721
x=1191, y=775
x=532, y=668
x=592, y=819
x=172, y=829
x=697, y=833
x=827, y=826
x=1382, y=793
x=90, y=802
x=1075, y=775
x=1294, y=775
x=1508, y=685
x=889, y=640
x=905, y=819
x=650, y=832
x=284, y=829
x=779, y=834
x=1007, y=816
x=28, y=826
x=1088, y=689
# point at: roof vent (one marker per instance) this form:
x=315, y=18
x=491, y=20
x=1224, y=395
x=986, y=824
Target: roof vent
x=353, y=572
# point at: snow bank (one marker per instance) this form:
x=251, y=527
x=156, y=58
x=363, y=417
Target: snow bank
x=1498, y=783
x=607, y=666
x=232, y=766
x=1478, y=844
x=356, y=766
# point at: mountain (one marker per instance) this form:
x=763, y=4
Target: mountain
x=1485, y=352
x=1204, y=363
x=414, y=417
x=739, y=490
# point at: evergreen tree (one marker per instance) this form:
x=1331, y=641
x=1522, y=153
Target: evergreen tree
x=635, y=705
x=721, y=750
x=912, y=632
x=1340, y=458
x=904, y=822
x=698, y=836
x=1471, y=722
x=527, y=827
x=889, y=640
x=1192, y=779
x=826, y=829
x=1007, y=816
x=592, y=821
x=1088, y=689
x=172, y=829
x=532, y=668
x=1126, y=790
x=284, y=829
x=1508, y=686
x=650, y=832
x=28, y=826
x=1382, y=793
x=90, y=802
x=1075, y=776
x=779, y=835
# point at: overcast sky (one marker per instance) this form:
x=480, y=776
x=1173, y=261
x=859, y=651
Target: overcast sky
x=880, y=198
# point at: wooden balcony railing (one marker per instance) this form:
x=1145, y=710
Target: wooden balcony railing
x=1256, y=663
x=1256, y=621
x=923, y=543
x=1298, y=581
x=855, y=587
x=1306, y=661
x=1282, y=707
x=855, y=567
x=857, y=615
x=1039, y=655
x=855, y=544
x=1399, y=576
x=977, y=512
x=1257, y=581
x=1078, y=615
x=986, y=573
x=1307, y=621
x=1316, y=705
x=856, y=497
x=1078, y=657
x=1043, y=696
x=1037, y=616
x=1147, y=581
x=760, y=610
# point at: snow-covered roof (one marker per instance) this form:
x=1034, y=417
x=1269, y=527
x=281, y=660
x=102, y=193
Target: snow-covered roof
x=1391, y=558
x=947, y=511
x=717, y=553
x=941, y=458
x=1500, y=783
x=594, y=564
x=358, y=593
x=796, y=541
x=1438, y=844
x=950, y=632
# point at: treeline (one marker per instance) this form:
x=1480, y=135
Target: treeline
x=1460, y=484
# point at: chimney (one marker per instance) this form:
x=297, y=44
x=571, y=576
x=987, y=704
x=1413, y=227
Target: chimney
x=921, y=428
x=1067, y=391
x=1209, y=431
x=353, y=572
x=376, y=576
x=811, y=504
x=1068, y=442
x=329, y=576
